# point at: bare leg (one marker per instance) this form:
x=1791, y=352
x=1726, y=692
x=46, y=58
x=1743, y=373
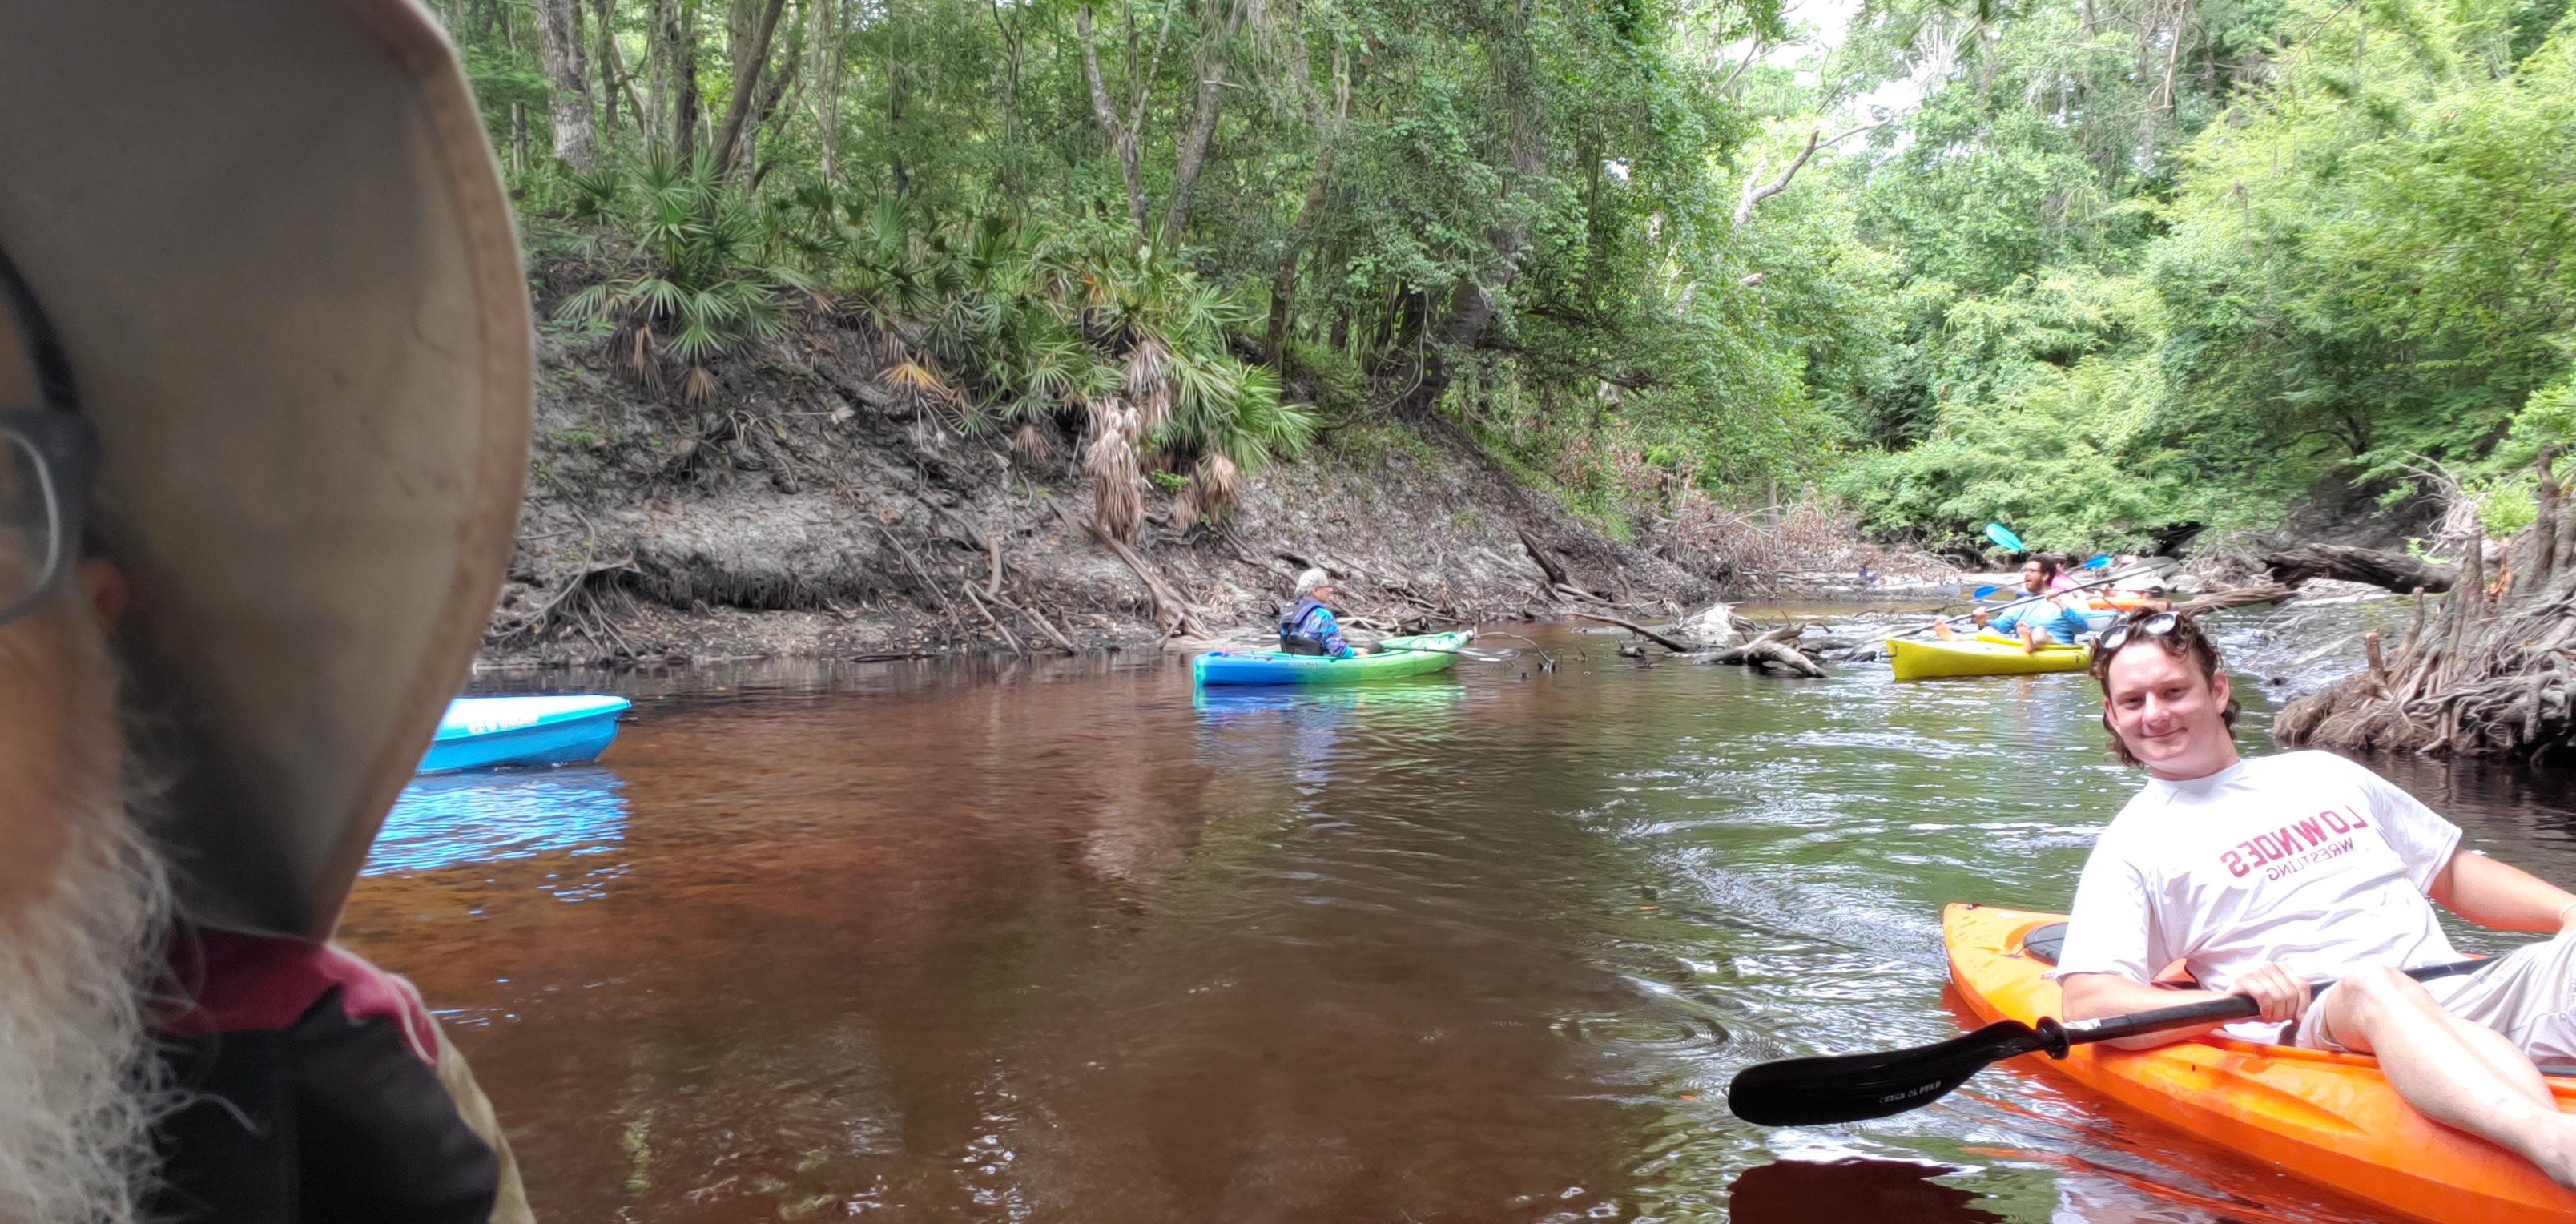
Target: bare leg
x=1941, y=629
x=2459, y=1073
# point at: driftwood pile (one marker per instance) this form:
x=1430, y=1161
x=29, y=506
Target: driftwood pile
x=1775, y=650
x=2490, y=671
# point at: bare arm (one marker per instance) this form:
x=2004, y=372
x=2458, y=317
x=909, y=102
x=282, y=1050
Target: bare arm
x=2499, y=896
x=2280, y=995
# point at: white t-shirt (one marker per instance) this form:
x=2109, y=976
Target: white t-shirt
x=2303, y=858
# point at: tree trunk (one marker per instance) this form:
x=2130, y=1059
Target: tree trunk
x=683, y=42
x=1283, y=284
x=1190, y=152
x=614, y=80
x=1014, y=56
x=830, y=55
x=2395, y=571
x=568, y=111
x=1471, y=302
x=2542, y=562
x=775, y=97
x=658, y=26
x=1122, y=138
x=747, y=70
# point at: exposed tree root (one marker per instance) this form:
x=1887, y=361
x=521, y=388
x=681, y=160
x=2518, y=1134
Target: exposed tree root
x=2492, y=672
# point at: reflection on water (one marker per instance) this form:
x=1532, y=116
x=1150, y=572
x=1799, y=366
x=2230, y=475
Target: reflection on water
x=1851, y=1191
x=1000, y=940
x=448, y=820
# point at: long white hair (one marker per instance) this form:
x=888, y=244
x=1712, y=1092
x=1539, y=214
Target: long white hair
x=1308, y=581
x=80, y=1081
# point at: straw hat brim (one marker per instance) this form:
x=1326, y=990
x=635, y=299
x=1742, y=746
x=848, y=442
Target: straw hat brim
x=273, y=242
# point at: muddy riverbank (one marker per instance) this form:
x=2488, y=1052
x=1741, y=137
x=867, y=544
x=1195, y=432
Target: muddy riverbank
x=809, y=510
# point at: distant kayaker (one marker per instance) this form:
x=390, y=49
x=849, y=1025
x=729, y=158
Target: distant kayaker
x=2262, y=875
x=2064, y=574
x=1308, y=627
x=2041, y=621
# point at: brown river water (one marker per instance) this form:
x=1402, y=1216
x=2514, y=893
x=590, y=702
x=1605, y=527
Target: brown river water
x=992, y=940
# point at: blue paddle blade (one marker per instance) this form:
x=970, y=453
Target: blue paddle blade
x=2003, y=538
x=2097, y=561
x=1983, y=592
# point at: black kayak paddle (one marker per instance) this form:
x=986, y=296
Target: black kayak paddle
x=1857, y=1087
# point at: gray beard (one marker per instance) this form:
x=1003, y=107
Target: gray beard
x=80, y=1082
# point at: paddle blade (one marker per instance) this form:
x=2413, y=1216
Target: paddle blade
x=1983, y=592
x=2098, y=561
x=1858, y=1087
x=2004, y=538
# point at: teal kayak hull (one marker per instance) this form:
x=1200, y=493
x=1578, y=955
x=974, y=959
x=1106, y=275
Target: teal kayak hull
x=490, y=732
x=1398, y=656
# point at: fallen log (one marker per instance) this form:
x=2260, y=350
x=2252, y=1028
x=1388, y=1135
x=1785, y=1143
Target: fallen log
x=1556, y=576
x=2236, y=597
x=1772, y=649
x=1671, y=644
x=2395, y=571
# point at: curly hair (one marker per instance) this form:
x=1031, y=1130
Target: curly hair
x=2184, y=640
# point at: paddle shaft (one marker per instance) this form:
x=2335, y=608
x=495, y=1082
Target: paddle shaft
x=1480, y=656
x=1985, y=591
x=2229, y=1007
x=1380, y=647
x=2081, y=586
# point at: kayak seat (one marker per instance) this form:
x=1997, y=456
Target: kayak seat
x=2045, y=944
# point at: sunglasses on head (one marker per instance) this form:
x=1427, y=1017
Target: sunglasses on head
x=2153, y=624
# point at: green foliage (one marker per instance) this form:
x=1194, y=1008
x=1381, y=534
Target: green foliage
x=2358, y=265
x=704, y=278
x=2093, y=268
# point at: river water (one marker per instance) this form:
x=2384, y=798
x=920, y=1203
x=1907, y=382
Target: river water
x=1067, y=941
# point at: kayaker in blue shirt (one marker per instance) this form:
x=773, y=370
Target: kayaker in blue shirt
x=2042, y=620
x=1308, y=628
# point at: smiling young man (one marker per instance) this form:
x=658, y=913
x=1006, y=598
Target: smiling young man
x=2263, y=874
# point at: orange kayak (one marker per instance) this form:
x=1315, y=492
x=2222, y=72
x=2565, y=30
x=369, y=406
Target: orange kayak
x=2330, y=1118
x=2122, y=601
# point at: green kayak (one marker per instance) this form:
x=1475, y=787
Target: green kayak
x=1397, y=656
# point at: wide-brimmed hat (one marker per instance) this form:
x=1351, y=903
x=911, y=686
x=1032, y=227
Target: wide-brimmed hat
x=271, y=240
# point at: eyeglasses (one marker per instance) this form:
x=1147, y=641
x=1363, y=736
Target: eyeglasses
x=47, y=459
x=2153, y=624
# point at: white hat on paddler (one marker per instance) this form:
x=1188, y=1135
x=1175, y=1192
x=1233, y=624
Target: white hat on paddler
x=272, y=245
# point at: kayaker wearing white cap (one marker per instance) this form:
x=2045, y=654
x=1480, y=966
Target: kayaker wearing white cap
x=264, y=397
x=2261, y=875
x=1308, y=627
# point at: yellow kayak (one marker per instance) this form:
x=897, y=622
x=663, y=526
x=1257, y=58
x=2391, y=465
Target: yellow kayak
x=1983, y=655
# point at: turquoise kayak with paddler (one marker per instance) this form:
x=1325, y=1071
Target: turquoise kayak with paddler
x=1396, y=656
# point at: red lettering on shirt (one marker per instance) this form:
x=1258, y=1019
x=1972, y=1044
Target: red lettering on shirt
x=2335, y=821
x=2236, y=865
x=2357, y=821
x=2313, y=830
